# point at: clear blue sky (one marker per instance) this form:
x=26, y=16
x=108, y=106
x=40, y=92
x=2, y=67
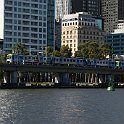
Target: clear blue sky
x=1, y=18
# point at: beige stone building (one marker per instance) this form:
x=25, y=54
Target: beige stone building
x=78, y=29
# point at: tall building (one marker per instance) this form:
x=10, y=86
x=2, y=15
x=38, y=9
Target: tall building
x=57, y=34
x=116, y=39
x=112, y=11
x=91, y=6
x=50, y=23
x=30, y=22
x=63, y=7
x=80, y=28
x=1, y=18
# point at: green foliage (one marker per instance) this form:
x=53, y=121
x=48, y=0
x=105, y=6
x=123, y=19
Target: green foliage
x=105, y=50
x=92, y=50
x=2, y=58
x=56, y=53
x=48, y=51
x=65, y=51
x=87, y=50
x=20, y=48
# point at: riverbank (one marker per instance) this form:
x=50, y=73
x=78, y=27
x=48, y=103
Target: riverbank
x=24, y=86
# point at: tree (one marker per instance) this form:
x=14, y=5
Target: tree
x=78, y=54
x=65, y=51
x=93, y=50
x=20, y=48
x=104, y=51
x=48, y=51
x=56, y=53
x=87, y=50
x=2, y=58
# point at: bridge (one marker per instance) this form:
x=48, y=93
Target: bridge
x=58, y=73
x=60, y=69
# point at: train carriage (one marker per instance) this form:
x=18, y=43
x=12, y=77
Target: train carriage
x=81, y=62
x=91, y=62
x=112, y=64
x=14, y=58
x=102, y=63
x=36, y=59
x=31, y=59
x=70, y=61
x=57, y=60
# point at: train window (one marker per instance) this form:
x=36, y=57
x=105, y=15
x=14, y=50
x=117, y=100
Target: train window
x=67, y=60
x=70, y=60
x=73, y=60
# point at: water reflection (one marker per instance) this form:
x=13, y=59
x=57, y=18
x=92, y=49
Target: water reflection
x=61, y=106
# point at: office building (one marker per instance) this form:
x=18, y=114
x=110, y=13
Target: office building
x=63, y=7
x=116, y=39
x=29, y=22
x=112, y=11
x=91, y=6
x=80, y=28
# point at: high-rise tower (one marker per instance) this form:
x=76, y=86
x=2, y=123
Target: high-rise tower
x=30, y=22
x=63, y=7
x=112, y=12
x=91, y=6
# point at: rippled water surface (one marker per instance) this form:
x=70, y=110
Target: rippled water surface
x=62, y=106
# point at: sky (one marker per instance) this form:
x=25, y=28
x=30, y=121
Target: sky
x=1, y=18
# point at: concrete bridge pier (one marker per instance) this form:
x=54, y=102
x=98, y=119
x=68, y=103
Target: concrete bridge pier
x=13, y=77
x=6, y=77
x=62, y=79
x=66, y=81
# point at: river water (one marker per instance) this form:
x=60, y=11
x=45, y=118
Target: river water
x=62, y=106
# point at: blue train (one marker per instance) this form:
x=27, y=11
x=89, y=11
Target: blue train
x=35, y=59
